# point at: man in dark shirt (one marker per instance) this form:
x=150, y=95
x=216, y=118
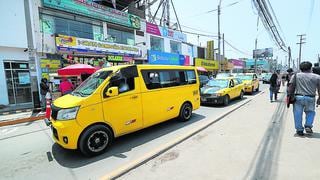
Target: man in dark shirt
x=316, y=69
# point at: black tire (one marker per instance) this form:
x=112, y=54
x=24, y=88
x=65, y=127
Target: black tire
x=257, y=90
x=252, y=90
x=185, y=112
x=95, y=140
x=241, y=95
x=226, y=100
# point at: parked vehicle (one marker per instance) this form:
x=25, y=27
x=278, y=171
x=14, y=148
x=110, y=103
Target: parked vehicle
x=251, y=82
x=203, y=80
x=222, y=90
x=266, y=78
x=122, y=99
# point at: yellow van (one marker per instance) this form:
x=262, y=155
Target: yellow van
x=122, y=99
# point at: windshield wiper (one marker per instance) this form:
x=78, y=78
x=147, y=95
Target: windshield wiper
x=77, y=92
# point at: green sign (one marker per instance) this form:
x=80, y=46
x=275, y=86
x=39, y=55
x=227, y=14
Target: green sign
x=115, y=58
x=91, y=9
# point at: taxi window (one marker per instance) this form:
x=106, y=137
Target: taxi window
x=235, y=82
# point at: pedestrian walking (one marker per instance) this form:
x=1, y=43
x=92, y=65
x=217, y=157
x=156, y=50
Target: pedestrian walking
x=65, y=87
x=289, y=75
x=273, y=87
x=316, y=69
x=44, y=89
x=304, y=86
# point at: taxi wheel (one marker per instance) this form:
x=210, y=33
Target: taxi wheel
x=185, y=112
x=95, y=140
x=226, y=100
x=257, y=90
x=241, y=95
x=252, y=90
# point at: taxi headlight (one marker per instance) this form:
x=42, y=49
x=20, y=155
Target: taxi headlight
x=67, y=114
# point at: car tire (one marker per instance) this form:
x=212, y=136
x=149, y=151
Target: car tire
x=185, y=112
x=226, y=100
x=241, y=95
x=252, y=90
x=95, y=140
x=257, y=90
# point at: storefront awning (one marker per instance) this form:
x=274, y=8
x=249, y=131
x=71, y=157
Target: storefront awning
x=76, y=70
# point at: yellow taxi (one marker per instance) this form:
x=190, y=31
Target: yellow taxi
x=222, y=90
x=251, y=82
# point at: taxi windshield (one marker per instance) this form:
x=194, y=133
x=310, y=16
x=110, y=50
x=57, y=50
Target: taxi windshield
x=245, y=77
x=222, y=83
x=88, y=86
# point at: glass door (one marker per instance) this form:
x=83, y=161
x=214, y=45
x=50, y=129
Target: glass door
x=18, y=82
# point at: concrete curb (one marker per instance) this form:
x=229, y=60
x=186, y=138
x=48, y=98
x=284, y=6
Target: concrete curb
x=16, y=111
x=158, y=151
x=18, y=121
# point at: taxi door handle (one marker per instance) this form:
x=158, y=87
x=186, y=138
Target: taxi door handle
x=134, y=97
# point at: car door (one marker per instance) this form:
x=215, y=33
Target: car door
x=237, y=87
x=233, y=91
x=124, y=112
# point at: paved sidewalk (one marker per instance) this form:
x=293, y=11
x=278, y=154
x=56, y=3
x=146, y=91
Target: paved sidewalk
x=257, y=141
x=11, y=119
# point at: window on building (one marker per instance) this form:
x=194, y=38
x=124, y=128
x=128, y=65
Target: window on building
x=175, y=47
x=120, y=36
x=156, y=44
x=50, y=25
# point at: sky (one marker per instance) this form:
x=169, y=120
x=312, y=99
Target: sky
x=239, y=25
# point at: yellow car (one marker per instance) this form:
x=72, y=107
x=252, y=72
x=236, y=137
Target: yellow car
x=221, y=91
x=251, y=82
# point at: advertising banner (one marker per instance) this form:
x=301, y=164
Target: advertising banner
x=210, y=50
x=165, y=32
x=209, y=65
x=262, y=53
x=157, y=57
x=95, y=10
x=69, y=43
x=237, y=64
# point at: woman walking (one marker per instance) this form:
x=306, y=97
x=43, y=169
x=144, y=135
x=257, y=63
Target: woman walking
x=273, y=87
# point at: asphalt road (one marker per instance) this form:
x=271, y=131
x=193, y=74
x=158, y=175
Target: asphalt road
x=28, y=151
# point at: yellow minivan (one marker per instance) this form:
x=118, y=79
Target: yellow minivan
x=122, y=99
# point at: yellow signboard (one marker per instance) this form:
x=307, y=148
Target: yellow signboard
x=210, y=50
x=50, y=63
x=62, y=40
x=210, y=65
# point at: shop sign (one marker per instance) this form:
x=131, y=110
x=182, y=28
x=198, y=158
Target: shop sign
x=49, y=66
x=157, y=57
x=94, y=10
x=238, y=64
x=210, y=50
x=165, y=32
x=68, y=43
x=210, y=65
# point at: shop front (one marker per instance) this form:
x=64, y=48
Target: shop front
x=210, y=66
x=157, y=57
x=226, y=66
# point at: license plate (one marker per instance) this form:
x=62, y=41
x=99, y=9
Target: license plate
x=203, y=99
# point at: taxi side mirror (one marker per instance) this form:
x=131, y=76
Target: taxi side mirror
x=112, y=91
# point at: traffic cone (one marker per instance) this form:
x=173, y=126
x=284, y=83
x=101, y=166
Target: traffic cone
x=48, y=106
x=48, y=109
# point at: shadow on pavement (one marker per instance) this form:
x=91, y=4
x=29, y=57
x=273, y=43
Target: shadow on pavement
x=232, y=102
x=263, y=165
x=313, y=135
x=121, y=145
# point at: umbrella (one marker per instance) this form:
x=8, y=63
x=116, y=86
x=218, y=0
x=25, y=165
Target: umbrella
x=201, y=69
x=76, y=70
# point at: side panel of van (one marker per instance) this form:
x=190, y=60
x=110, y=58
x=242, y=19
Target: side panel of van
x=124, y=111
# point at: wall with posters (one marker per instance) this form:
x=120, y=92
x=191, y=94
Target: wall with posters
x=237, y=64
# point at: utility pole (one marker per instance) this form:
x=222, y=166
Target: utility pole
x=289, y=53
x=219, y=36
x=302, y=41
x=256, y=46
x=319, y=58
x=223, y=46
